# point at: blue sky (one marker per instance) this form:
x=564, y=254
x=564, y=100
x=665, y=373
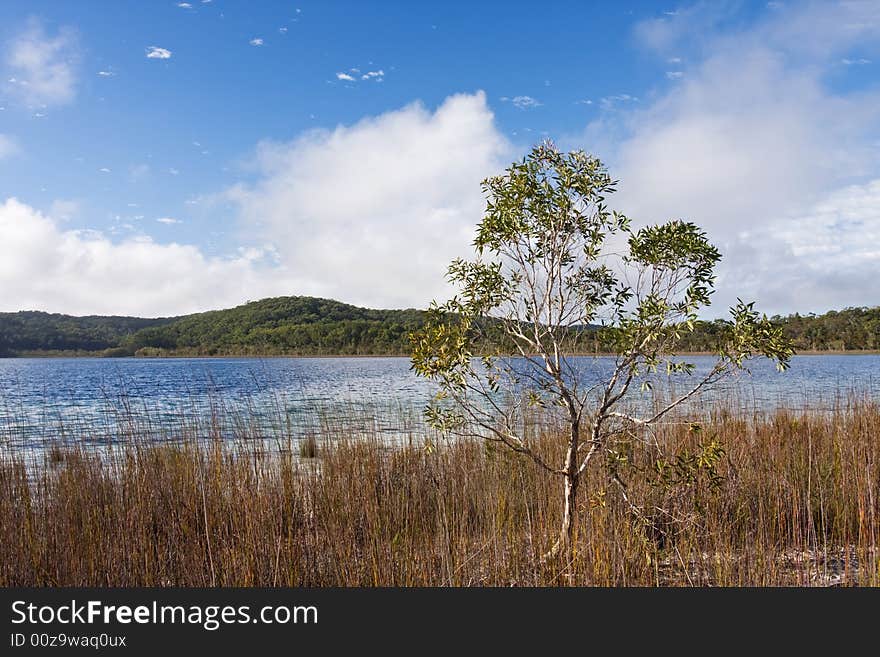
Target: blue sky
x=336, y=148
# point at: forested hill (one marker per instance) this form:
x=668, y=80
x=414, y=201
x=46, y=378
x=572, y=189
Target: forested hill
x=283, y=325
x=33, y=331
x=311, y=326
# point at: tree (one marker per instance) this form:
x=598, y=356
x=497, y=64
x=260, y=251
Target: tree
x=553, y=266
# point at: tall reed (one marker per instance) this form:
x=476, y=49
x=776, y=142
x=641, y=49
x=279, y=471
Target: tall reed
x=798, y=504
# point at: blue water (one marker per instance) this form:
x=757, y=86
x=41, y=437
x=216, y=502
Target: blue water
x=44, y=400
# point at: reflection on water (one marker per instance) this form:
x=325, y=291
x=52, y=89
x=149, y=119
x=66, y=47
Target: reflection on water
x=46, y=400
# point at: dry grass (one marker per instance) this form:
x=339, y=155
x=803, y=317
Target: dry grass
x=799, y=504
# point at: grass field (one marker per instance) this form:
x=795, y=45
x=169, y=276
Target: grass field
x=798, y=503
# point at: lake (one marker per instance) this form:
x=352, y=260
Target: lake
x=84, y=399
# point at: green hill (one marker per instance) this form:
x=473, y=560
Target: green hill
x=311, y=326
x=33, y=332
x=282, y=325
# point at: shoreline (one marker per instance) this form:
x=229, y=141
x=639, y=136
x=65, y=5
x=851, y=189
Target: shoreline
x=50, y=356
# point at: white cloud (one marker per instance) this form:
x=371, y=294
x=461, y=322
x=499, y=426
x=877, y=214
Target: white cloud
x=168, y=221
x=855, y=62
x=674, y=75
x=82, y=272
x=106, y=74
x=184, y=5
x=8, y=146
x=522, y=102
x=104, y=170
x=370, y=213
x=256, y=41
x=43, y=67
x=754, y=136
x=282, y=30
x=611, y=102
x=692, y=26
x=373, y=213
x=155, y=52
x=354, y=74
x=827, y=256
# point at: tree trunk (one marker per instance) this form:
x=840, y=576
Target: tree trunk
x=565, y=545
x=569, y=515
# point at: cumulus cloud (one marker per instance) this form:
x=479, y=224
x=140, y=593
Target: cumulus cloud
x=8, y=146
x=43, y=66
x=345, y=77
x=754, y=136
x=47, y=268
x=169, y=221
x=372, y=213
x=155, y=52
x=827, y=256
x=256, y=41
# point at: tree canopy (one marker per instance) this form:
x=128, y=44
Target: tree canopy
x=550, y=259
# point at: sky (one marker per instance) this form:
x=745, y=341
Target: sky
x=160, y=158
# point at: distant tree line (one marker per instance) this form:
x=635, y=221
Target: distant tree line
x=307, y=326
x=35, y=332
